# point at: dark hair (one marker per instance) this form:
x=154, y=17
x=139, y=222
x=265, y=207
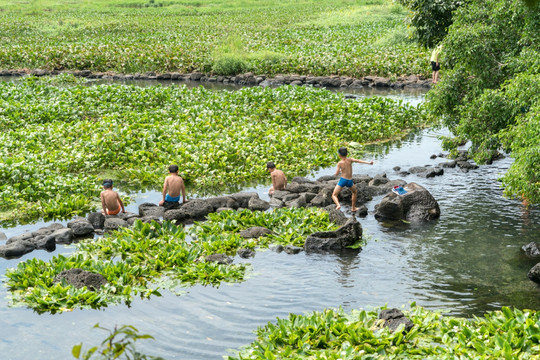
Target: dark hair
x=342, y=151
x=173, y=168
x=270, y=165
x=107, y=183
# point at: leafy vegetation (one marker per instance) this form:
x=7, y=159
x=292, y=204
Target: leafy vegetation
x=120, y=344
x=334, y=334
x=317, y=37
x=59, y=141
x=490, y=93
x=147, y=257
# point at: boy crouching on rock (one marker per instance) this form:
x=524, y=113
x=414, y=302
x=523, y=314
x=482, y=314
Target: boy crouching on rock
x=110, y=200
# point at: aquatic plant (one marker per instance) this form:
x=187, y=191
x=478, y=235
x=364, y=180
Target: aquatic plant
x=142, y=259
x=334, y=334
x=59, y=141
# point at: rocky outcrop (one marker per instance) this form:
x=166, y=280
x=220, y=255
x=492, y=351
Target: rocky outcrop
x=245, y=253
x=80, y=278
x=393, y=318
x=255, y=232
x=416, y=206
x=219, y=258
x=114, y=223
x=81, y=227
x=196, y=209
x=532, y=250
x=534, y=273
x=256, y=204
x=97, y=219
x=344, y=237
x=426, y=171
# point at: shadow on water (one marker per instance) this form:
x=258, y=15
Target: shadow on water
x=467, y=262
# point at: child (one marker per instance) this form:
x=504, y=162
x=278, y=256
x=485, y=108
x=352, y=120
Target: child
x=279, y=180
x=345, y=167
x=110, y=200
x=173, y=185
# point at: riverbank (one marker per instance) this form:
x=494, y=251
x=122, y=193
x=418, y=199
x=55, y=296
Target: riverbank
x=247, y=79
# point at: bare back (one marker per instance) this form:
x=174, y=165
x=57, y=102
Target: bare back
x=279, y=180
x=345, y=167
x=174, y=185
x=110, y=200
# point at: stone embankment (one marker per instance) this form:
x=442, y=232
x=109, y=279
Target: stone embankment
x=247, y=79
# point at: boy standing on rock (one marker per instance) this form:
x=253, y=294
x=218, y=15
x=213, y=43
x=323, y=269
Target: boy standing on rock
x=345, y=168
x=279, y=180
x=173, y=185
x=110, y=200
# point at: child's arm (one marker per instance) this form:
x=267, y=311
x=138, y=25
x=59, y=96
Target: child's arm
x=183, y=188
x=363, y=161
x=338, y=170
x=273, y=177
x=103, y=203
x=164, y=192
x=120, y=202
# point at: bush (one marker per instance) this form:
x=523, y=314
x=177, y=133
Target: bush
x=229, y=64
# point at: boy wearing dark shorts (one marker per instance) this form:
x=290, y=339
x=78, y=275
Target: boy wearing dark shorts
x=345, y=168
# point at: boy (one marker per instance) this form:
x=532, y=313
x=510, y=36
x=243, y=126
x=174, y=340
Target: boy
x=279, y=180
x=345, y=168
x=110, y=200
x=173, y=185
x=435, y=65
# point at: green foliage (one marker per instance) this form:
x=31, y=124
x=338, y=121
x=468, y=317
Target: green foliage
x=317, y=37
x=120, y=344
x=142, y=259
x=334, y=334
x=59, y=141
x=487, y=95
x=431, y=19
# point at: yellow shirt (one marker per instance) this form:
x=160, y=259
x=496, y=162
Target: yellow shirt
x=435, y=53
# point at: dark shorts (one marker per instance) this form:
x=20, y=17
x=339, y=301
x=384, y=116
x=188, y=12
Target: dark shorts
x=435, y=66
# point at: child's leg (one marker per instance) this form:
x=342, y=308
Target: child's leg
x=354, y=196
x=335, y=194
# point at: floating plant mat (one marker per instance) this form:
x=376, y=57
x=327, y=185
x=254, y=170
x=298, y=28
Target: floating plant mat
x=334, y=334
x=143, y=259
x=59, y=141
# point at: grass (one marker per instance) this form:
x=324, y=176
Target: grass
x=321, y=37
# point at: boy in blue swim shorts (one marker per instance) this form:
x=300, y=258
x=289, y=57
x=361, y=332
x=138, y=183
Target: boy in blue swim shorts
x=345, y=168
x=173, y=186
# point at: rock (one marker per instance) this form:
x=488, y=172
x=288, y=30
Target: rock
x=448, y=164
x=426, y=171
x=277, y=248
x=299, y=202
x=79, y=278
x=97, y=219
x=335, y=216
x=219, y=258
x=378, y=180
x=81, y=227
x=196, y=76
x=323, y=198
x=416, y=206
x=289, y=249
x=289, y=197
x=362, y=211
x=150, y=209
x=242, y=198
x=221, y=209
x=114, y=224
x=16, y=238
x=534, y=273
x=326, y=178
x=222, y=201
x=16, y=249
x=396, y=168
x=2, y=236
x=532, y=250
x=433, y=156
x=298, y=188
x=362, y=179
x=466, y=165
x=302, y=180
x=337, y=240
x=255, y=232
x=171, y=205
x=330, y=82
x=276, y=203
x=256, y=204
x=308, y=196
x=280, y=194
x=245, y=253
x=192, y=210
x=125, y=216
x=43, y=242
x=393, y=318
x=63, y=236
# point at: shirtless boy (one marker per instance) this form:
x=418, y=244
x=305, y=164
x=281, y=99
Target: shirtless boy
x=173, y=185
x=110, y=200
x=345, y=168
x=279, y=180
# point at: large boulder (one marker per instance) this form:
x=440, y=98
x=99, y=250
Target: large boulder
x=279, y=194
x=276, y=203
x=222, y=202
x=255, y=232
x=416, y=206
x=19, y=245
x=384, y=188
x=81, y=227
x=79, y=278
x=335, y=216
x=63, y=236
x=97, y=219
x=534, y=273
x=245, y=253
x=196, y=209
x=256, y=204
x=150, y=209
x=299, y=202
x=532, y=250
x=242, y=198
x=112, y=223
x=16, y=249
x=337, y=240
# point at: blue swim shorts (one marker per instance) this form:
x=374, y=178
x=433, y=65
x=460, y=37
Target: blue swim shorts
x=345, y=182
x=169, y=198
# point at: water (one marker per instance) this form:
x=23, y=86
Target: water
x=467, y=262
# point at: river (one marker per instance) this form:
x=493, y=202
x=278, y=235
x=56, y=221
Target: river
x=468, y=262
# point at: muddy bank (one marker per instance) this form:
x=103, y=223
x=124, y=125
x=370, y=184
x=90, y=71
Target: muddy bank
x=247, y=79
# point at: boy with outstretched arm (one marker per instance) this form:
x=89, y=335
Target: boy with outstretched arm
x=345, y=168
x=110, y=200
x=173, y=186
x=279, y=180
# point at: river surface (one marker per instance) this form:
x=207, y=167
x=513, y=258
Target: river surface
x=468, y=262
